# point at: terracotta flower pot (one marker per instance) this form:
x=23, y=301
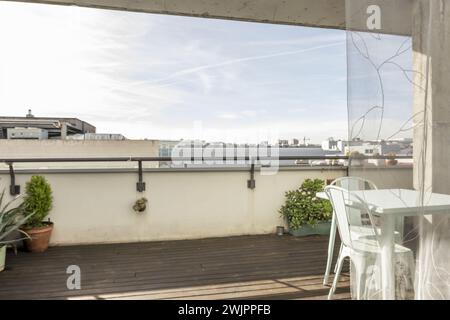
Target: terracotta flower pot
x=40, y=237
x=2, y=257
x=391, y=162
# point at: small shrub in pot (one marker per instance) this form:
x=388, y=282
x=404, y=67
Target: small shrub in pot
x=38, y=199
x=302, y=209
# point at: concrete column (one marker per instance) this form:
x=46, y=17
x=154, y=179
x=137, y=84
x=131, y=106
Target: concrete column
x=431, y=45
x=63, y=130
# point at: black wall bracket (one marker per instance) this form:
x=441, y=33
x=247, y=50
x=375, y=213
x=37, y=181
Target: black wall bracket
x=140, y=185
x=14, y=189
x=251, y=184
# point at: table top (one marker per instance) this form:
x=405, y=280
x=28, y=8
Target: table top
x=401, y=201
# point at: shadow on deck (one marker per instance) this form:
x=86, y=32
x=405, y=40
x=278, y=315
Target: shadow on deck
x=245, y=267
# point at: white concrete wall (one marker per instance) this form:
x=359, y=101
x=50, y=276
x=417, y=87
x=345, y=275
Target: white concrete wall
x=386, y=177
x=75, y=148
x=13, y=149
x=96, y=207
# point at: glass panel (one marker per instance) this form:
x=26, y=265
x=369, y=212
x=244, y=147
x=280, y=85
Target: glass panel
x=398, y=138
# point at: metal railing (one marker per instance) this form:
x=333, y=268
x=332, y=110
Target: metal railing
x=140, y=185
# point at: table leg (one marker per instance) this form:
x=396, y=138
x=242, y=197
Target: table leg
x=387, y=257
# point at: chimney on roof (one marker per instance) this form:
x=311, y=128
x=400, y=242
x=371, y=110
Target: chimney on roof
x=64, y=130
x=29, y=115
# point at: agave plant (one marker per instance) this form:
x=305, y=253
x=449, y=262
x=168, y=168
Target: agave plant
x=11, y=219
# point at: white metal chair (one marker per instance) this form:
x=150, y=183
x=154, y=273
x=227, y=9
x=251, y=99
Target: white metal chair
x=361, y=251
x=358, y=228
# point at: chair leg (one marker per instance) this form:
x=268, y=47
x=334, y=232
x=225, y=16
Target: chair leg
x=336, y=277
x=399, y=230
x=340, y=252
x=330, y=250
x=360, y=276
x=412, y=268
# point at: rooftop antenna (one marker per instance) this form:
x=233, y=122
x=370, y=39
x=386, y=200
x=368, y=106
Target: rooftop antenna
x=29, y=114
x=305, y=139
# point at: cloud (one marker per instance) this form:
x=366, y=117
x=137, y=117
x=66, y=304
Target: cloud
x=200, y=68
x=228, y=116
x=315, y=39
x=296, y=110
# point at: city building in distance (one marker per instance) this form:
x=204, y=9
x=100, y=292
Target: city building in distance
x=57, y=137
x=42, y=128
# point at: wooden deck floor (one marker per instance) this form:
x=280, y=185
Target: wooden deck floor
x=247, y=267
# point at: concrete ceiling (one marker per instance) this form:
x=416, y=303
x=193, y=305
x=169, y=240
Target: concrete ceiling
x=313, y=13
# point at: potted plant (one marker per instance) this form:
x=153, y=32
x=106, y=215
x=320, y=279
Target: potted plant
x=305, y=213
x=391, y=160
x=356, y=158
x=11, y=219
x=39, y=200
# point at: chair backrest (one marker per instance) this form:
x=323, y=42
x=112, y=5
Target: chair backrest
x=343, y=201
x=354, y=183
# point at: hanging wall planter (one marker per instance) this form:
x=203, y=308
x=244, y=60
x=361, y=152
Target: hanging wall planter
x=140, y=205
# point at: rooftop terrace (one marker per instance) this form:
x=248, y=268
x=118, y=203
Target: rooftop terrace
x=244, y=267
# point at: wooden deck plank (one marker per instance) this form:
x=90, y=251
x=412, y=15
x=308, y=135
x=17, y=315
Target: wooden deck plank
x=254, y=267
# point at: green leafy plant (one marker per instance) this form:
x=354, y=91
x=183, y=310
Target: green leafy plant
x=11, y=219
x=38, y=200
x=303, y=207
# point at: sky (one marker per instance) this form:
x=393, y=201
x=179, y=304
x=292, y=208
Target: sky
x=171, y=77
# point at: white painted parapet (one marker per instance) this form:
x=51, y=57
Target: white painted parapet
x=96, y=207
